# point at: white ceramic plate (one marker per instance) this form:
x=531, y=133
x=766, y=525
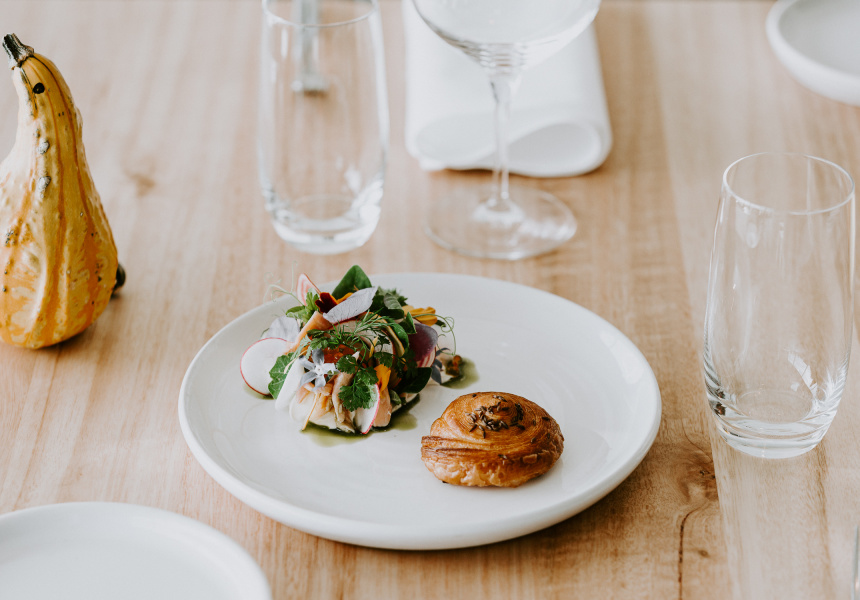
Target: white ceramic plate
x=818, y=41
x=375, y=491
x=107, y=551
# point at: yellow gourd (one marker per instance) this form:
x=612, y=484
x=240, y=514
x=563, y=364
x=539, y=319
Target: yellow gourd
x=58, y=261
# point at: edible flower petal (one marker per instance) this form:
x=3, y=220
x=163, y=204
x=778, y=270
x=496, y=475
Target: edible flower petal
x=426, y=316
x=307, y=377
x=325, y=302
x=359, y=302
x=383, y=374
x=284, y=327
x=317, y=369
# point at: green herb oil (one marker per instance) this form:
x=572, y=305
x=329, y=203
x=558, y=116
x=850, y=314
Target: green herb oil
x=468, y=375
x=401, y=420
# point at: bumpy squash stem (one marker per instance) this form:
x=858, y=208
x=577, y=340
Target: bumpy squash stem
x=17, y=51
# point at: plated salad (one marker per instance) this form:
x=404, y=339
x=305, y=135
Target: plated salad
x=347, y=360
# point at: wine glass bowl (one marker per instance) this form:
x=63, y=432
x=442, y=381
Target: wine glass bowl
x=504, y=37
x=500, y=34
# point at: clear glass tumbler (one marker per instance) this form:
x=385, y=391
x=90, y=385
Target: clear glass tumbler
x=323, y=121
x=779, y=318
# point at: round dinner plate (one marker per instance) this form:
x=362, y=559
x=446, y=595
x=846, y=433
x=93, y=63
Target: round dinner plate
x=374, y=490
x=818, y=41
x=108, y=551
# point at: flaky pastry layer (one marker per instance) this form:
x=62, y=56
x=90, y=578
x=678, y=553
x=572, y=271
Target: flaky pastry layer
x=492, y=439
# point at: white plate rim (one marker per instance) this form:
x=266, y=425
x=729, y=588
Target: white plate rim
x=813, y=74
x=438, y=537
x=254, y=581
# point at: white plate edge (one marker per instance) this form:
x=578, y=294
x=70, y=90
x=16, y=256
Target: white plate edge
x=257, y=588
x=434, y=538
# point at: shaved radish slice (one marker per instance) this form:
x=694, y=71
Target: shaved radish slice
x=364, y=417
x=303, y=286
x=423, y=344
x=284, y=327
x=258, y=360
x=302, y=409
x=292, y=383
x=353, y=306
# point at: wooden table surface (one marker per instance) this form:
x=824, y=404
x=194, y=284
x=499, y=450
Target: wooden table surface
x=168, y=94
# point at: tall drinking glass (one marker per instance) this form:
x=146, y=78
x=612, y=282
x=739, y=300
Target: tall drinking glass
x=323, y=121
x=504, y=37
x=779, y=319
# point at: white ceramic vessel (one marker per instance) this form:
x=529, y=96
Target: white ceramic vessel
x=108, y=551
x=817, y=41
x=374, y=490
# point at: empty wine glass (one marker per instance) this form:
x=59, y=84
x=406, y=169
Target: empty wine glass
x=504, y=37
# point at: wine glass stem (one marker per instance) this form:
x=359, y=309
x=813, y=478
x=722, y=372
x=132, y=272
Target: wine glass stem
x=504, y=86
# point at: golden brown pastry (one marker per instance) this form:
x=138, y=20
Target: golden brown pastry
x=492, y=438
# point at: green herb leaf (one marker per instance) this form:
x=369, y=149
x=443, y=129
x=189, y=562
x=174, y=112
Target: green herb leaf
x=366, y=376
x=321, y=342
x=393, y=292
x=407, y=361
x=304, y=312
x=348, y=397
x=347, y=364
x=300, y=312
x=395, y=314
x=386, y=359
x=390, y=301
x=278, y=373
x=354, y=279
x=358, y=394
x=415, y=382
x=408, y=324
x=400, y=332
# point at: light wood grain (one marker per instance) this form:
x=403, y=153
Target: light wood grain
x=789, y=524
x=168, y=95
